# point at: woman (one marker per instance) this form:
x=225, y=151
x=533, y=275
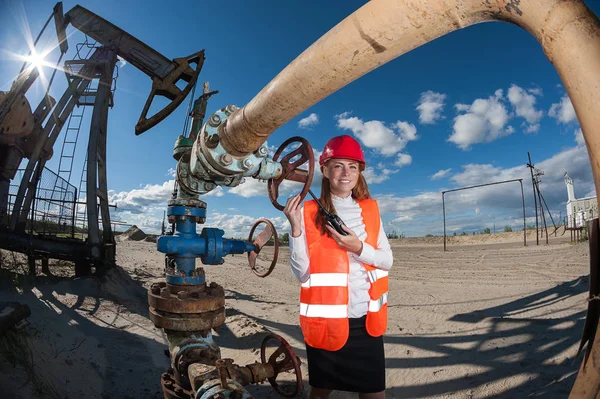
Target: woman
x=343, y=299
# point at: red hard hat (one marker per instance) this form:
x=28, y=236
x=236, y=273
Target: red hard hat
x=343, y=146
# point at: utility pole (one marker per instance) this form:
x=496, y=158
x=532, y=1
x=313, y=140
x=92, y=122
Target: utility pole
x=538, y=173
x=537, y=197
x=530, y=166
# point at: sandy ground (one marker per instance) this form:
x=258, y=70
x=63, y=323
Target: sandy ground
x=487, y=319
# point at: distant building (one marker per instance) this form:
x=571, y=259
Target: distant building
x=579, y=210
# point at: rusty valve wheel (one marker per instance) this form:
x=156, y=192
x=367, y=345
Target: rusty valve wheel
x=289, y=362
x=259, y=242
x=290, y=169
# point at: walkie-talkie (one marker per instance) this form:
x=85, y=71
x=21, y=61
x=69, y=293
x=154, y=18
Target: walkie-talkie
x=333, y=219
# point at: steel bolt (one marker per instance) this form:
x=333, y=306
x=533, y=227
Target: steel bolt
x=248, y=163
x=182, y=295
x=215, y=120
x=230, y=108
x=164, y=292
x=198, y=272
x=208, y=186
x=226, y=159
x=262, y=151
x=169, y=384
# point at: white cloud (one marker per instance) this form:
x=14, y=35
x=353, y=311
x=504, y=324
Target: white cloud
x=271, y=150
x=579, y=137
x=250, y=188
x=486, y=119
x=403, y=160
x=343, y=115
x=563, y=111
x=138, y=200
x=217, y=192
x=372, y=177
x=431, y=105
x=121, y=61
x=238, y=226
x=171, y=172
x=309, y=121
x=483, y=121
x=375, y=134
x=474, y=209
x=441, y=174
x=524, y=104
x=408, y=132
x=144, y=206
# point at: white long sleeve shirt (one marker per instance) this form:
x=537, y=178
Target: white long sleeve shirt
x=358, y=282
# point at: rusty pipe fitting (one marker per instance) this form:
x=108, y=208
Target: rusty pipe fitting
x=221, y=366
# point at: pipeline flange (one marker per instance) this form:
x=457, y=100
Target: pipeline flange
x=187, y=308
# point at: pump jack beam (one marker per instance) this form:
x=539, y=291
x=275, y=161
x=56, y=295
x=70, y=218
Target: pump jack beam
x=163, y=72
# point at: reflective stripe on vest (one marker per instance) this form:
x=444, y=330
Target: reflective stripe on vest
x=324, y=297
x=326, y=280
x=325, y=311
x=376, y=274
x=377, y=304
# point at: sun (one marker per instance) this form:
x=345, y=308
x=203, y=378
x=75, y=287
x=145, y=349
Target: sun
x=35, y=59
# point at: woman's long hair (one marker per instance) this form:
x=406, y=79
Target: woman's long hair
x=359, y=192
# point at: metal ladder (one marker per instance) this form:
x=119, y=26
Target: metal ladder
x=81, y=214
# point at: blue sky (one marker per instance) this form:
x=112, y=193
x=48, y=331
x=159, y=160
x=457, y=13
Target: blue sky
x=461, y=110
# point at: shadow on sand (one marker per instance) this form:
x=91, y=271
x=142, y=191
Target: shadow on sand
x=532, y=347
x=85, y=332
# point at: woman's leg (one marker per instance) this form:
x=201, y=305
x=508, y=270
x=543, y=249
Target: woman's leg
x=377, y=395
x=319, y=393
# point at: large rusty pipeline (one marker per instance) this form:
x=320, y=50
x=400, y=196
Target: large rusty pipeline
x=382, y=30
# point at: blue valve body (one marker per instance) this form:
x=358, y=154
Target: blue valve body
x=186, y=245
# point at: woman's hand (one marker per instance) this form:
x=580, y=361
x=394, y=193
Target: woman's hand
x=292, y=212
x=350, y=243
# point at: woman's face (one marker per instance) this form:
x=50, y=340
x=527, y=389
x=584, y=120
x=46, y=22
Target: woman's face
x=342, y=174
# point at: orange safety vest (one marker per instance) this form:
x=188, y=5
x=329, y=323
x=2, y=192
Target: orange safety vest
x=324, y=297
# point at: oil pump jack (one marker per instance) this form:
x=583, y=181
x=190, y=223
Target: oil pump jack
x=27, y=134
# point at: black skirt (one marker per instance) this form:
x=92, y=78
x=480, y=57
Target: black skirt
x=359, y=366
